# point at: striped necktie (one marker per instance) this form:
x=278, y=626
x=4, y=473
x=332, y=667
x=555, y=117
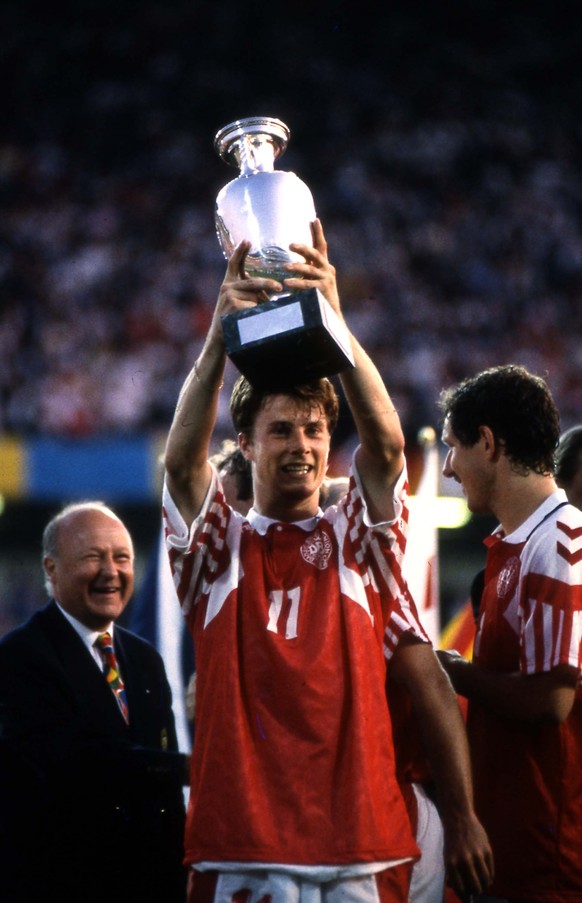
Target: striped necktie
x=111, y=670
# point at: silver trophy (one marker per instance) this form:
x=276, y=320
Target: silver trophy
x=294, y=337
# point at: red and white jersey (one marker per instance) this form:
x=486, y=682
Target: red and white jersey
x=528, y=779
x=292, y=623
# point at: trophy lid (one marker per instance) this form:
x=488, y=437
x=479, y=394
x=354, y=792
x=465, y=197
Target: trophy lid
x=225, y=141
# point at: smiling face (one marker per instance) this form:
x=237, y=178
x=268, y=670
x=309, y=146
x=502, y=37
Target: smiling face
x=289, y=449
x=91, y=573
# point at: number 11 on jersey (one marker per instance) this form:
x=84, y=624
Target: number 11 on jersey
x=278, y=597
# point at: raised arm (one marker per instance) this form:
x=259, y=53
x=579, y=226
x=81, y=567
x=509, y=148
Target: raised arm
x=380, y=457
x=188, y=444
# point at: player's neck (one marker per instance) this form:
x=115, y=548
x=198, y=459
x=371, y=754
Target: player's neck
x=287, y=510
x=525, y=496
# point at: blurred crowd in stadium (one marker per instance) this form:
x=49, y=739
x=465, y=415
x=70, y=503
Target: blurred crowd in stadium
x=446, y=173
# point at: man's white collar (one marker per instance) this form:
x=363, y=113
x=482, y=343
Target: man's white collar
x=261, y=522
x=521, y=533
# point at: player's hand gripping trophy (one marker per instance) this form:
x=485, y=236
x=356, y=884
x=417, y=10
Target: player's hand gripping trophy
x=295, y=335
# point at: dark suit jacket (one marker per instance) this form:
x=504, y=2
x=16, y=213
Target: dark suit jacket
x=90, y=809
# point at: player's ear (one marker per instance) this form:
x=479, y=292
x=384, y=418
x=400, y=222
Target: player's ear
x=491, y=443
x=245, y=444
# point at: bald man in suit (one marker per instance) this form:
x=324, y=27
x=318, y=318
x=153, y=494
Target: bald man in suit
x=91, y=800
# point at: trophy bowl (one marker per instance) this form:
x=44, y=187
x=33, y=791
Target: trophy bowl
x=297, y=332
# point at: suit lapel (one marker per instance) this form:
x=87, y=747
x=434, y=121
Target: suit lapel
x=86, y=682
x=148, y=700
x=137, y=682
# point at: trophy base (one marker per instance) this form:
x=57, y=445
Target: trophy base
x=292, y=340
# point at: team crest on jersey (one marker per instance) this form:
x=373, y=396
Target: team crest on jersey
x=317, y=550
x=508, y=578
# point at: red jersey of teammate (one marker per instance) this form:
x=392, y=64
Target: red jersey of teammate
x=530, y=621
x=293, y=760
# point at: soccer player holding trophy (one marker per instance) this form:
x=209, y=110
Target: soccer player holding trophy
x=295, y=615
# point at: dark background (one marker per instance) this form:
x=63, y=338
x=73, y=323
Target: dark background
x=442, y=145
